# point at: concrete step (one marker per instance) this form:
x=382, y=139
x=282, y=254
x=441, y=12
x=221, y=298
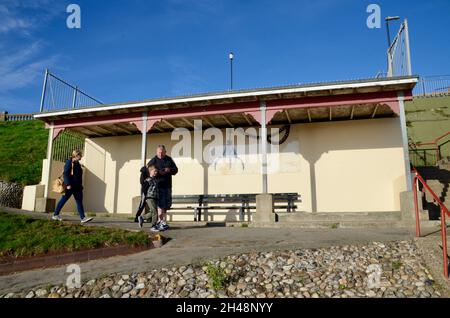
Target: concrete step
x=435, y=173
x=428, y=225
x=334, y=225
x=339, y=216
x=441, y=190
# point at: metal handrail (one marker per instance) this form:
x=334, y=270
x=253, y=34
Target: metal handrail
x=444, y=211
x=435, y=143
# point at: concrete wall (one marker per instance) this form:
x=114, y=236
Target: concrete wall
x=345, y=166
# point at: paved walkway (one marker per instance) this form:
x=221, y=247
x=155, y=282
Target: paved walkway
x=193, y=243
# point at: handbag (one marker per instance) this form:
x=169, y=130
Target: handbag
x=58, y=185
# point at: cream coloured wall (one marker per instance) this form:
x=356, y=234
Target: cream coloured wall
x=355, y=165
x=341, y=166
x=57, y=169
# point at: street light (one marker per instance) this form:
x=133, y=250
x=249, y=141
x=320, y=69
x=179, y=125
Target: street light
x=387, y=27
x=231, y=57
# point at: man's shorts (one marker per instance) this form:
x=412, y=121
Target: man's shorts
x=164, y=198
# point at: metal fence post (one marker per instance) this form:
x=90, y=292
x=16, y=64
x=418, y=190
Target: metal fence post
x=408, y=52
x=74, y=101
x=390, y=71
x=44, y=87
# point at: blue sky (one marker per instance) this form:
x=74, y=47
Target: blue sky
x=134, y=50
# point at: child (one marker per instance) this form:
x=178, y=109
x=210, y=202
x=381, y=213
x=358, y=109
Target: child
x=142, y=205
x=151, y=196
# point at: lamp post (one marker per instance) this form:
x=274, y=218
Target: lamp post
x=231, y=57
x=387, y=28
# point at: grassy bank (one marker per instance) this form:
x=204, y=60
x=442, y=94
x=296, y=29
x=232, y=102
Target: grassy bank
x=23, y=146
x=24, y=236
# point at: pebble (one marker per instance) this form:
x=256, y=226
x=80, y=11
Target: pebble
x=340, y=271
x=41, y=293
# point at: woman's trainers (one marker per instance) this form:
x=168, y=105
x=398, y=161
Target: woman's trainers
x=154, y=229
x=85, y=220
x=56, y=218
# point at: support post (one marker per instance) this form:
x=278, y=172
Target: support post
x=49, y=160
x=401, y=105
x=416, y=205
x=390, y=72
x=444, y=243
x=74, y=100
x=144, y=139
x=44, y=88
x=407, y=48
x=263, y=140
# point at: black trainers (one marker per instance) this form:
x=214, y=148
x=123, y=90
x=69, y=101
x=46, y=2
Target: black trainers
x=160, y=227
x=164, y=225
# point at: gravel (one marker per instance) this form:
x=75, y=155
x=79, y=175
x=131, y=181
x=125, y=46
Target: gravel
x=351, y=271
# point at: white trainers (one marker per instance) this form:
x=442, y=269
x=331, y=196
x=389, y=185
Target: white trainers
x=56, y=218
x=86, y=219
x=164, y=225
x=154, y=229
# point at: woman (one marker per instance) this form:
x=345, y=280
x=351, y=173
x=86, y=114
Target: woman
x=73, y=181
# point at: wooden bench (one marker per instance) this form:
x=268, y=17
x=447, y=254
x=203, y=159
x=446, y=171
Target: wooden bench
x=243, y=202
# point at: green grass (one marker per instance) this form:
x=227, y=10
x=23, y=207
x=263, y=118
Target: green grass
x=23, y=146
x=24, y=236
x=217, y=276
x=397, y=265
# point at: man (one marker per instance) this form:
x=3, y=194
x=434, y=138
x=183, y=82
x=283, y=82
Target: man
x=166, y=169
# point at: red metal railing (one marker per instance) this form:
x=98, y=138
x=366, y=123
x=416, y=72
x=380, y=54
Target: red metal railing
x=435, y=143
x=444, y=212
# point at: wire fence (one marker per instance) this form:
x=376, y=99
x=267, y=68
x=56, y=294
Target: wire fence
x=433, y=85
x=65, y=143
x=399, y=57
x=57, y=94
x=423, y=157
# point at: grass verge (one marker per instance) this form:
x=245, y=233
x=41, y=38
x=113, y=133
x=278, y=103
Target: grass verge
x=24, y=236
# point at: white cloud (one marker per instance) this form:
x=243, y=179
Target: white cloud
x=25, y=16
x=21, y=61
x=22, y=68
